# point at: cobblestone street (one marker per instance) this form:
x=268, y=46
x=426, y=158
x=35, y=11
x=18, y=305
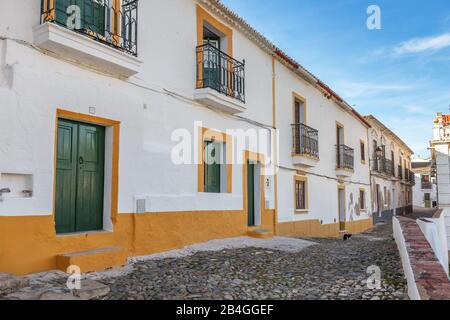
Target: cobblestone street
x=331, y=269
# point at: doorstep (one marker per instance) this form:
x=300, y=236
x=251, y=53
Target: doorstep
x=93, y=260
x=260, y=234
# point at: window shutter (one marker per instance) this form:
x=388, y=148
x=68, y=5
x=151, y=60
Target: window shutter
x=212, y=167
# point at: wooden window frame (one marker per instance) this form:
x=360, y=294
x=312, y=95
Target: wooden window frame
x=362, y=146
x=298, y=98
x=364, y=206
x=206, y=134
x=303, y=179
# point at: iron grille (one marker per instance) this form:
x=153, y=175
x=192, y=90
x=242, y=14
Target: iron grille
x=100, y=20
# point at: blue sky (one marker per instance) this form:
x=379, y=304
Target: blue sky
x=400, y=74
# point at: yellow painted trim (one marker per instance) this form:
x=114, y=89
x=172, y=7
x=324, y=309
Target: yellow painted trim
x=308, y=228
x=208, y=134
x=29, y=243
x=116, y=7
x=257, y=157
x=202, y=16
x=50, y=9
x=339, y=188
x=297, y=97
x=274, y=124
x=69, y=115
x=303, y=179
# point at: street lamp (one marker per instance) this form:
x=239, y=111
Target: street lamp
x=379, y=152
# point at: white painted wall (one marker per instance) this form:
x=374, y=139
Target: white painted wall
x=322, y=114
x=434, y=231
x=33, y=85
x=443, y=173
x=413, y=291
x=419, y=193
x=397, y=197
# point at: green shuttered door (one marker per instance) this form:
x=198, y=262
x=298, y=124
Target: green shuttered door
x=79, y=177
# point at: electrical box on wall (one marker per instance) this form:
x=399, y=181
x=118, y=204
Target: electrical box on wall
x=16, y=185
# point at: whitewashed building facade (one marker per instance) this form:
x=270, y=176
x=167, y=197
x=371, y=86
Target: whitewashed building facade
x=134, y=127
x=391, y=177
x=425, y=190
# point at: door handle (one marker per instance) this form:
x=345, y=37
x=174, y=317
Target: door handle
x=81, y=160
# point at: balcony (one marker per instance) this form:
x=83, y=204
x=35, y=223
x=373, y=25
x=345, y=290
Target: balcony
x=411, y=177
x=98, y=34
x=345, y=160
x=220, y=80
x=305, y=145
x=426, y=185
x=383, y=166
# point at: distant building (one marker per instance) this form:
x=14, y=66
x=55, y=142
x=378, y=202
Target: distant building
x=440, y=155
x=424, y=192
x=390, y=168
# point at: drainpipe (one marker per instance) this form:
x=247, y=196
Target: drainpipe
x=276, y=164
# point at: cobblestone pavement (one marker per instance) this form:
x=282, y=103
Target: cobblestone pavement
x=332, y=269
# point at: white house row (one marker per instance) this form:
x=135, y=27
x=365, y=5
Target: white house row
x=133, y=127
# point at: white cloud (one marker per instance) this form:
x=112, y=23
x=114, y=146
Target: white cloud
x=418, y=45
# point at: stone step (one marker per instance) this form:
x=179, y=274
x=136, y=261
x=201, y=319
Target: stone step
x=90, y=289
x=260, y=234
x=10, y=283
x=93, y=260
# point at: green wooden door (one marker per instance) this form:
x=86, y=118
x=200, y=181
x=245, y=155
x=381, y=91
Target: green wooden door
x=66, y=176
x=251, y=193
x=79, y=177
x=212, y=167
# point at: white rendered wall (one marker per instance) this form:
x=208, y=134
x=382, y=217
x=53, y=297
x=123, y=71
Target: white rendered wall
x=419, y=193
x=322, y=114
x=34, y=85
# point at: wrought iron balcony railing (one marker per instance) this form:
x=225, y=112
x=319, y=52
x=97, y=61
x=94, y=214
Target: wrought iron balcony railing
x=388, y=167
x=383, y=165
x=412, y=177
x=218, y=71
x=305, y=140
x=426, y=185
x=345, y=157
x=111, y=22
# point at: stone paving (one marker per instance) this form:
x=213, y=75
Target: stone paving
x=332, y=269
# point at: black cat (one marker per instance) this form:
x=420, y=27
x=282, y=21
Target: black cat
x=347, y=237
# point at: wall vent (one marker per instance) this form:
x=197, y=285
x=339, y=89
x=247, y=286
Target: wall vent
x=141, y=206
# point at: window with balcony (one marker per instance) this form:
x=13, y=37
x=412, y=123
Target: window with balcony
x=111, y=22
x=305, y=138
x=345, y=156
x=220, y=79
